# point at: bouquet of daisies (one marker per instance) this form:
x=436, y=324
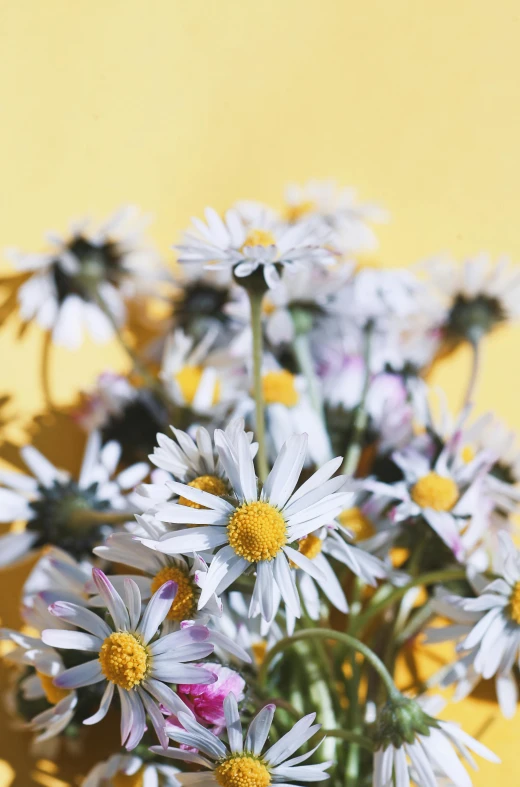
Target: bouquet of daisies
x=272, y=505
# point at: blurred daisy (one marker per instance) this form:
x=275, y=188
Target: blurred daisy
x=132, y=771
x=445, y=494
x=323, y=203
x=46, y=664
x=130, y=656
x=204, y=381
x=416, y=748
x=86, y=275
x=245, y=246
x=255, y=530
x=50, y=499
x=243, y=762
x=479, y=294
x=495, y=638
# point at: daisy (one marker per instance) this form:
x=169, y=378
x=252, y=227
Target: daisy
x=495, y=637
x=45, y=665
x=247, y=244
x=479, y=295
x=252, y=530
x=84, y=276
x=57, y=576
x=206, y=382
x=131, y=770
x=323, y=203
x=50, y=499
x=319, y=547
x=244, y=762
x=415, y=747
x=130, y=656
x=441, y=492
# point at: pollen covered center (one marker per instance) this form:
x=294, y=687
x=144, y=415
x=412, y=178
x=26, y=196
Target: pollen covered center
x=188, y=379
x=435, y=491
x=256, y=237
x=124, y=660
x=514, y=608
x=279, y=387
x=359, y=525
x=309, y=546
x=206, y=483
x=53, y=693
x=298, y=210
x=184, y=604
x=242, y=770
x=257, y=531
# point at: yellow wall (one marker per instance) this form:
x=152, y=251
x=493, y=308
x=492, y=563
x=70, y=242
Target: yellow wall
x=175, y=104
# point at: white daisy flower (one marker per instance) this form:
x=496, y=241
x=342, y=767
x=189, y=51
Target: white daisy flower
x=47, y=665
x=319, y=547
x=444, y=493
x=415, y=747
x=193, y=460
x=495, y=637
x=49, y=498
x=89, y=268
x=479, y=294
x=245, y=246
x=255, y=530
x=108, y=399
x=57, y=576
x=323, y=203
x=133, y=771
x=244, y=762
x=204, y=381
x=130, y=656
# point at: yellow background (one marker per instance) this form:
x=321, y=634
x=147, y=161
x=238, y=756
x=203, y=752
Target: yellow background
x=173, y=104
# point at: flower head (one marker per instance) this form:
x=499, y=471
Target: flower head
x=131, y=656
x=255, y=530
x=244, y=763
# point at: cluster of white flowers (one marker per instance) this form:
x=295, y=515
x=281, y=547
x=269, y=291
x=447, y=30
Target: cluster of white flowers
x=273, y=476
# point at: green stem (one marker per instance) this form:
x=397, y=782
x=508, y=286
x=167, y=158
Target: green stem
x=302, y=353
x=351, y=737
x=344, y=639
x=82, y=519
x=432, y=578
x=256, y=325
x=45, y=369
x=355, y=447
x=475, y=365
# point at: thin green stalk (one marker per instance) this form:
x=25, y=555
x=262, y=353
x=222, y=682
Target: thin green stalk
x=475, y=366
x=256, y=325
x=432, y=578
x=344, y=639
x=353, y=453
x=351, y=737
x=84, y=518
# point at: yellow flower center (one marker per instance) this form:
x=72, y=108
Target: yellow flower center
x=206, y=483
x=310, y=546
x=259, y=650
x=468, y=454
x=124, y=660
x=435, y=491
x=128, y=779
x=258, y=237
x=299, y=209
x=53, y=693
x=184, y=604
x=188, y=379
x=279, y=388
x=257, y=531
x=358, y=524
x=242, y=770
x=514, y=609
